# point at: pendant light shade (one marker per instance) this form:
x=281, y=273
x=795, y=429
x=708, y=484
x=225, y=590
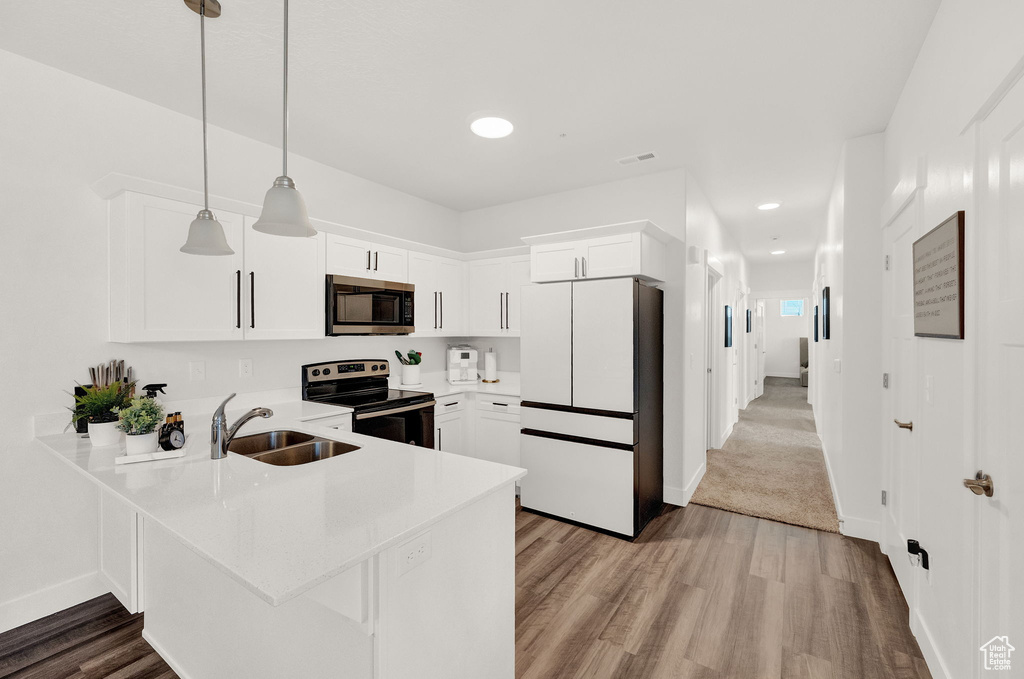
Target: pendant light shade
x=205, y=233
x=284, y=210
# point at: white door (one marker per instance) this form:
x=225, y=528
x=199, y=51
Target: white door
x=451, y=299
x=487, y=283
x=900, y=403
x=554, y=262
x=283, y=286
x=174, y=296
x=610, y=256
x=448, y=435
x=546, y=347
x=602, y=344
x=1000, y=242
x=518, y=276
x=762, y=350
x=390, y=264
x=349, y=257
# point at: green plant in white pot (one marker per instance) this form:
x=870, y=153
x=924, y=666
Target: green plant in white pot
x=140, y=421
x=99, y=406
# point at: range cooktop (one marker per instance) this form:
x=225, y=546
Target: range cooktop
x=358, y=384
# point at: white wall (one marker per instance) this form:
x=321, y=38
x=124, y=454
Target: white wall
x=846, y=368
x=781, y=275
x=63, y=134
x=782, y=338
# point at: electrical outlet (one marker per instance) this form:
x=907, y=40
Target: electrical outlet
x=197, y=371
x=413, y=553
x=245, y=367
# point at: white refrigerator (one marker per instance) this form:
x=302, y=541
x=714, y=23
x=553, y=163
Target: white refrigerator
x=592, y=384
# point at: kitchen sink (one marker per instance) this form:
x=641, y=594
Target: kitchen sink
x=267, y=441
x=305, y=452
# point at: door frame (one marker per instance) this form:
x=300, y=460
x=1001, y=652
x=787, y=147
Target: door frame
x=714, y=339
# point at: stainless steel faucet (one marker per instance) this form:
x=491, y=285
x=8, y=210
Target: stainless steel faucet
x=221, y=434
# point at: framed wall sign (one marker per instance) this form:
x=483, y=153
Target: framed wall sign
x=826, y=315
x=939, y=280
x=749, y=324
x=815, y=322
x=728, y=326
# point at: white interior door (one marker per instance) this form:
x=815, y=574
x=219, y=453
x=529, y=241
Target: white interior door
x=602, y=344
x=1000, y=241
x=762, y=350
x=546, y=345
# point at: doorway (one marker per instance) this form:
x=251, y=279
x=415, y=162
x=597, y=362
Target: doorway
x=714, y=338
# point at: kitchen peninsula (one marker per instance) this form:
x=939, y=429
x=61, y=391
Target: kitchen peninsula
x=380, y=562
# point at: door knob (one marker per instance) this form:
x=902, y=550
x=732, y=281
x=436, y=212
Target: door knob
x=981, y=484
x=904, y=425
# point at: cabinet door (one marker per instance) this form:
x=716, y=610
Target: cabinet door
x=423, y=274
x=579, y=482
x=554, y=262
x=487, y=278
x=602, y=344
x=451, y=283
x=349, y=257
x=173, y=296
x=611, y=256
x=284, y=286
x=546, y=345
x=518, y=276
x=449, y=436
x=497, y=438
x=390, y=264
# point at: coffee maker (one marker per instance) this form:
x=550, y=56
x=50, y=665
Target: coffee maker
x=462, y=364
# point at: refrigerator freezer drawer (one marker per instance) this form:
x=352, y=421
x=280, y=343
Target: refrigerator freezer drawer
x=614, y=429
x=580, y=482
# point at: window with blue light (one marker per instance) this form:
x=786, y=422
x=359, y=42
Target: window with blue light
x=792, y=307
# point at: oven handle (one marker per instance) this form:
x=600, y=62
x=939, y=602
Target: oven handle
x=394, y=411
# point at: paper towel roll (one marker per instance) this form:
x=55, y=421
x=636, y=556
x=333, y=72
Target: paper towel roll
x=490, y=366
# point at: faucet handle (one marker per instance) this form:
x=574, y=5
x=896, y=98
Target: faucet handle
x=219, y=413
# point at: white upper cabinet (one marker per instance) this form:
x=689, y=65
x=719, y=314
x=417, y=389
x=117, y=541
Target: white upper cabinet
x=270, y=288
x=635, y=249
x=283, y=286
x=439, y=296
x=157, y=292
x=363, y=259
x=494, y=289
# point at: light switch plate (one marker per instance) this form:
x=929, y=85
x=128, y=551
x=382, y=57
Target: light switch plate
x=197, y=371
x=837, y=365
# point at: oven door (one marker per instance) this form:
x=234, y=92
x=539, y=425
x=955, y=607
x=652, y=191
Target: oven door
x=413, y=424
x=361, y=306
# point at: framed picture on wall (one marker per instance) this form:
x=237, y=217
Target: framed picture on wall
x=728, y=326
x=749, y=324
x=939, y=280
x=815, y=322
x=826, y=316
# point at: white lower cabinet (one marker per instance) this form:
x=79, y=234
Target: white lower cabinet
x=120, y=550
x=497, y=430
x=450, y=424
x=581, y=482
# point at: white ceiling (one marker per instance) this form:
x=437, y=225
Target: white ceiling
x=753, y=97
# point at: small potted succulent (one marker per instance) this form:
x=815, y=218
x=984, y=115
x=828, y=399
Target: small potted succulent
x=98, y=406
x=140, y=420
x=411, y=367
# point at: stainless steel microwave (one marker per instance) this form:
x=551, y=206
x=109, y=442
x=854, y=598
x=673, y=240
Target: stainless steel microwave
x=363, y=306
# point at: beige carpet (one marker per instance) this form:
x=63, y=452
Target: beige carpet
x=772, y=466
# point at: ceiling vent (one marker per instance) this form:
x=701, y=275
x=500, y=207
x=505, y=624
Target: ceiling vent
x=629, y=160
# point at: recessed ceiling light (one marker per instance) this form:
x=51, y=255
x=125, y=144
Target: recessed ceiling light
x=778, y=252
x=768, y=206
x=491, y=127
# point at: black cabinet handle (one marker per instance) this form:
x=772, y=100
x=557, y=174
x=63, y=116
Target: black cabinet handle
x=367, y=260
x=501, y=312
x=507, y=326
x=435, y=310
x=252, y=299
x=440, y=297
x=238, y=298
x=376, y=256
x=439, y=438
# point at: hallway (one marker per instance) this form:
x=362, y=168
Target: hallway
x=772, y=466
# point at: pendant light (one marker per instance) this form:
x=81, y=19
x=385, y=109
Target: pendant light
x=205, y=234
x=284, y=210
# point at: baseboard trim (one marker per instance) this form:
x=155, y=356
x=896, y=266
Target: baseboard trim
x=791, y=376
x=163, y=654
x=931, y=654
x=39, y=604
x=681, y=496
x=858, y=527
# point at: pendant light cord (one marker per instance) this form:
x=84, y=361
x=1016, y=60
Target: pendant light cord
x=284, y=144
x=202, y=50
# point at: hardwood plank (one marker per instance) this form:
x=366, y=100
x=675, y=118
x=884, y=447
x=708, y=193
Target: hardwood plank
x=769, y=557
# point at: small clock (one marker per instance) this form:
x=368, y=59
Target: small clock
x=172, y=438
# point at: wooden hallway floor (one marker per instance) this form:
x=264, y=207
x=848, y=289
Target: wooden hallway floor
x=704, y=593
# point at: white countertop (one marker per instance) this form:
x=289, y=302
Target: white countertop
x=438, y=384
x=280, y=531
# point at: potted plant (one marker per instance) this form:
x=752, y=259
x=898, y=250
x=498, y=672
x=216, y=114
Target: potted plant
x=98, y=406
x=411, y=367
x=140, y=420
